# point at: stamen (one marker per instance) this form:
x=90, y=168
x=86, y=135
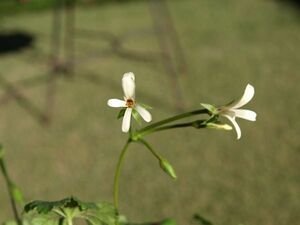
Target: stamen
x=129, y=103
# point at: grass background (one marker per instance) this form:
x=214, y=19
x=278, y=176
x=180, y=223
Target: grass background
x=252, y=181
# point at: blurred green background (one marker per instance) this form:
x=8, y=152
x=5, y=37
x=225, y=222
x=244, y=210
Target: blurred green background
x=227, y=44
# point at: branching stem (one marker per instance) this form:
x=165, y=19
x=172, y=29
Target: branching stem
x=153, y=127
x=148, y=146
x=137, y=137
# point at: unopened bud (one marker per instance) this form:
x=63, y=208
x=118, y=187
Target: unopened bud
x=166, y=166
x=219, y=126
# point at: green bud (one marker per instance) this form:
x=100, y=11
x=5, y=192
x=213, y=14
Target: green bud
x=219, y=126
x=166, y=166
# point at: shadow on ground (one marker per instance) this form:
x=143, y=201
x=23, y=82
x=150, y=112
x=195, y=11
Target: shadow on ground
x=15, y=41
x=293, y=3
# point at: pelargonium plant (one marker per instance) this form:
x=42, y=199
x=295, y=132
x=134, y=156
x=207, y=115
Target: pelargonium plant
x=66, y=211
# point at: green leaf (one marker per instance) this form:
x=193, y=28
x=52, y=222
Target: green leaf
x=121, y=113
x=58, y=212
x=44, y=219
x=105, y=212
x=46, y=207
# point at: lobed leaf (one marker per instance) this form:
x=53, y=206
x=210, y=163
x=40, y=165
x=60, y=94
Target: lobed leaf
x=58, y=212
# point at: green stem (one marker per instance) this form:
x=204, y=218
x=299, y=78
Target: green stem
x=117, y=176
x=67, y=213
x=9, y=185
x=148, y=146
x=137, y=137
x=70, y=221
x=168, y=127
x=196, y=124
x=153, y=126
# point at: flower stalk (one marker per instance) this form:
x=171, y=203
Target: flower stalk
x=163, y=163
x=148, y=146
x=117, y=176
x=155, y=126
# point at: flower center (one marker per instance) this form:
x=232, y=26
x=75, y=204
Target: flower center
x=129, y=103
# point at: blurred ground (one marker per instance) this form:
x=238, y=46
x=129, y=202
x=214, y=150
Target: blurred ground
x=252, y=181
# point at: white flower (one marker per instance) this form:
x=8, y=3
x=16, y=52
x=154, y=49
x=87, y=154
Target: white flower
x=232, y=110
x=129, y=103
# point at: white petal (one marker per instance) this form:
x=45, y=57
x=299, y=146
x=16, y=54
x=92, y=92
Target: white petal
x=144, y=113
x=236, y=126
x=245, y=114
x=247, y=96
x=116, y=103
x=128, y=85
x=126, y=120
x=228, y=112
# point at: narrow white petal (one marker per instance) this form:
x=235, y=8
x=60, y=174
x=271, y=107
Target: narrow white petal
x=144, y=113
x=247, y=96
x=116, y=103
x=245, y=114
x=128, y=85
x=126, y=120
x=236, y=126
